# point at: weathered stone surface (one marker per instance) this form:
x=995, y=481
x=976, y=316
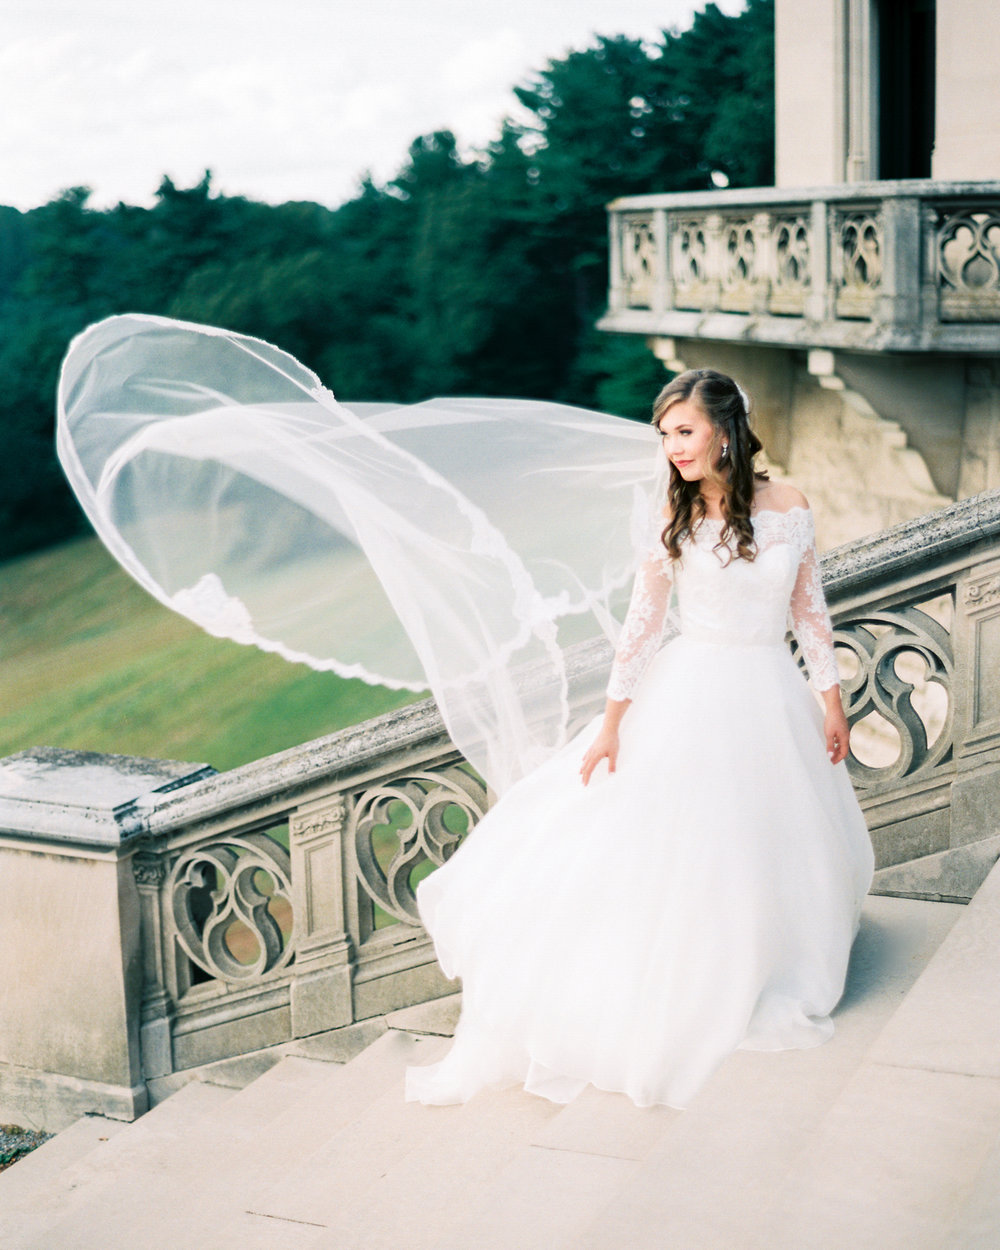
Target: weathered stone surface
x=231, y=1033
x=950, y=1021
x=891, y=1164
x=85, y=797
x=679, y=268
x=339, y=1045
x=439, y=1016
x=333, y=1149
x=69, y=982
x=53, y=1102
x=949, y=876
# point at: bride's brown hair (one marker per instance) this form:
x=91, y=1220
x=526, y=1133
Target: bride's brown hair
x=726, y=406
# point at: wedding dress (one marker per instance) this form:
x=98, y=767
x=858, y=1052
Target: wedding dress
x=631, y=933
x=703, y=897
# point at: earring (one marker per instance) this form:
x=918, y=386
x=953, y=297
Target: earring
x=725, y=449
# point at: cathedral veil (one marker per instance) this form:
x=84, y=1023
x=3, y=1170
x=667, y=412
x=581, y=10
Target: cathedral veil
x=451, y=545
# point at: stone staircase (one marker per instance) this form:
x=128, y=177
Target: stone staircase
x=888, y=1136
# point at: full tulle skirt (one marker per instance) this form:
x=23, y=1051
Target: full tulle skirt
x=632, y=933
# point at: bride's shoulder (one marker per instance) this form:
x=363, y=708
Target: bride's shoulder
x=778, y=497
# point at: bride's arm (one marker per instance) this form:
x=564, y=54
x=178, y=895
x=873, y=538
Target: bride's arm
x=641, y=637
x=811, y=625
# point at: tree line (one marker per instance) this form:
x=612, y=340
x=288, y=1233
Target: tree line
x=461, y=275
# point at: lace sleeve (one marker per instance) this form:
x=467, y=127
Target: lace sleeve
x=642, y=633
x=808, y=614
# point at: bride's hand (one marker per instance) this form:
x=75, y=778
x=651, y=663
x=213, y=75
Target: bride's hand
x=604, y=747
x=836, y=729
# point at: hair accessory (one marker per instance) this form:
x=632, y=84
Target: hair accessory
x=744, y=397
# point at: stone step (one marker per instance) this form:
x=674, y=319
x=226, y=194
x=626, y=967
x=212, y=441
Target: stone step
x=509, y=1170
x=605, y=1173
x=909, y=1156
x=331, y=1158
x=337, y=1046
x=401, y=1174
x=40, y=1203
x=27, y=1187
x=262, y=1131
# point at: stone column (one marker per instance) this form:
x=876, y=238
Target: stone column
x=820, y=300
x=862, y=111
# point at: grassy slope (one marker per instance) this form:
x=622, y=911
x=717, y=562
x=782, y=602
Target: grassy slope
x=89, y=660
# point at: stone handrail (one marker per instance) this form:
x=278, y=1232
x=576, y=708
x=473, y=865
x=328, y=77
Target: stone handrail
x=275, y=901
x=892, y=266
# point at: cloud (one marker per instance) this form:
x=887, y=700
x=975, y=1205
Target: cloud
x=289, y=100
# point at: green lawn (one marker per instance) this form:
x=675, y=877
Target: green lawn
x=89, y=660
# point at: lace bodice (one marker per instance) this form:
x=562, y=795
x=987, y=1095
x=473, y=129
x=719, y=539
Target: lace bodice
x=740, y=603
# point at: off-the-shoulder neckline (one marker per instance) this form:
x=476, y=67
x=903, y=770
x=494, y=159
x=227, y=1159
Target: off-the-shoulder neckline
x=754, y=516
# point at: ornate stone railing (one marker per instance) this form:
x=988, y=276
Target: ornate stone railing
x=167, y=916
x=916, y=613
x=890, y=266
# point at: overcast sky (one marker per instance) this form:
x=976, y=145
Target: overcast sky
x=281, y=99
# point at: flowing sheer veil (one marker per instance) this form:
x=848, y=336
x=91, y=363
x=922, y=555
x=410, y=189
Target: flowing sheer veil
x=456, y=545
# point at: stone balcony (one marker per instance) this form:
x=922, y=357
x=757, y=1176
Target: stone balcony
x=910, y=266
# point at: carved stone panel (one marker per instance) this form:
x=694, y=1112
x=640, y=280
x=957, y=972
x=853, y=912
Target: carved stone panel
x=895, y=652
x=638, y=260
x=791, y=279
x=401, y=827
x=968, y=263
x=694, y=282
x=231, y=906
x=742, y=268
x=857, y=252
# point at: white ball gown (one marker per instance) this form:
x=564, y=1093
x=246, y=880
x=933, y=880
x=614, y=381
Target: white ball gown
x=705, y=896
x=629, y=934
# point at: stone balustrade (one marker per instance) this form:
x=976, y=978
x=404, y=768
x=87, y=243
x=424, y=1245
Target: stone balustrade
x=156, y=916
x=886, y=266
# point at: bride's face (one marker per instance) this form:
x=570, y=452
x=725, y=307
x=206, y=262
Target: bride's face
x=688, y=437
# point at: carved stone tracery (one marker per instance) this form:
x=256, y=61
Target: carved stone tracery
x=837, y=257
x=968, y=261
x=638, y=253
x=222, y=900
x=792, y=258
x=877, y=640
x=410, y=816
x=690, y=262
x=859, y=262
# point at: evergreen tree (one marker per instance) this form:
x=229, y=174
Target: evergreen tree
x=479, y=275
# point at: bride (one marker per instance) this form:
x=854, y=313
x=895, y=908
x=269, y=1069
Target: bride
x=686, y=876
x=682, y=878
